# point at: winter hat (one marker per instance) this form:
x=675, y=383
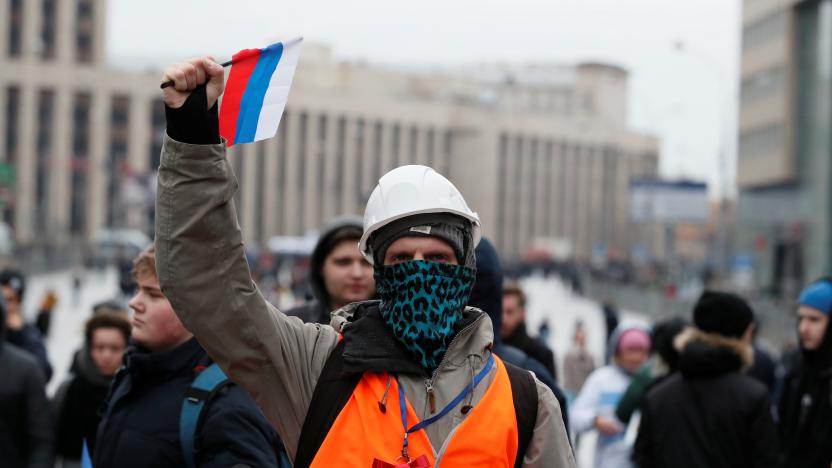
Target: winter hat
x=454, y=230
x=722, y=313
x=818, y=296
x=633, y=338
x=14, y=279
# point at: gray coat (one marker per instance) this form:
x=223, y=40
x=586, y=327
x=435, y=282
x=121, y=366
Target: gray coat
x=278, y=359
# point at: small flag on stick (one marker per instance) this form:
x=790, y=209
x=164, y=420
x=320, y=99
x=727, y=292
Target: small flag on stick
x=256, y=91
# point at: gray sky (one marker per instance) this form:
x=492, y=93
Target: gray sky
x=685, y=98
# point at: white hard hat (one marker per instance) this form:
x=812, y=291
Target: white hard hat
x=412, y=190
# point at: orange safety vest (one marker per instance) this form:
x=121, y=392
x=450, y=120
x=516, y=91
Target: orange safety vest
x=361, y=433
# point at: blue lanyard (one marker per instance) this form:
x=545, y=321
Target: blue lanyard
x=447, y=409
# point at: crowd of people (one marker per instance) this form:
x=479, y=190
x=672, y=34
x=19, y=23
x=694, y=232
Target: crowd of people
x=413, y=352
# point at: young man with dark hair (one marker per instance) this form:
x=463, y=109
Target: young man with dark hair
x=514, y=332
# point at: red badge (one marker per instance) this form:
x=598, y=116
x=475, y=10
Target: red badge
x=421, y=462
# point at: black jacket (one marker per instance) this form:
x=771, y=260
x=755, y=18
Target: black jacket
x=26, y=430
x=534, y=348
x=805, y=408
x=487, y=296
x=708, y=415
x=76, y=407
x=140, y=426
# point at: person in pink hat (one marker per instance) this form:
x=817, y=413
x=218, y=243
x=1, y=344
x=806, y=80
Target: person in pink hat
x=595, y=405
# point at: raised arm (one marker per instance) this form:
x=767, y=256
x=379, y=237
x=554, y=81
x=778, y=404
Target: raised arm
x=202, y=267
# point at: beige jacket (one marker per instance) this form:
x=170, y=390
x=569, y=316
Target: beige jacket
x=203, y=271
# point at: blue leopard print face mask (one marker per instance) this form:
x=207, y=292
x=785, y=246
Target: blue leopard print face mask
x=422, y=302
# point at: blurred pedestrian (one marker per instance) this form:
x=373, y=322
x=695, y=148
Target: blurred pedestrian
x=544, y=331
x=578, y=363
x=594, y=408
x=18, y=332
x=338, y=273
x=487, y=296
x=420, y=343
x=143, y=423
x=805, y=407
x=513, y=329
x=79, y=398
x=764, y=368
x=710, y=414
x=44, y=317
x=610, y=312
x=26, y=426
x=663, y=362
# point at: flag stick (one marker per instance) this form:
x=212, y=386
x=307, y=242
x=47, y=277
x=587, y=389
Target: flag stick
x=170, y=83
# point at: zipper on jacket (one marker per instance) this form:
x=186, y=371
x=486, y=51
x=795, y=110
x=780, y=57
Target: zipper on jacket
x=431, y=397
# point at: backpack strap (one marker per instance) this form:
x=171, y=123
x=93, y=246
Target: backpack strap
x=331, y=394
x=204, y=387
x=524, y=395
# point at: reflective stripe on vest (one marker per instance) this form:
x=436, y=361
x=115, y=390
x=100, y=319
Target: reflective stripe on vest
x=487, y=437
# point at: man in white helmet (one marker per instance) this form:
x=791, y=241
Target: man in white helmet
x=409, y=380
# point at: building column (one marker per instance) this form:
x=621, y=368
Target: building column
x=622, y=202
x=271, y=190
x=311, y=191
x=290, y=199
x=331, y=199
x=351, y=175
x=541, y=205
x=60, y=173
x=96, y=198
x=31, y=29
x=553, y=205
x=139, y=143
x=25, y=166
x=5, y=19
x=65, y=27
x=368, y=160
x=248, y=190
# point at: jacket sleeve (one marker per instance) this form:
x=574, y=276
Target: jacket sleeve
x=763, y=435
x=234, y=433
x=202, y=270
x=585, y=407
x=41, y=438
x=549, y=446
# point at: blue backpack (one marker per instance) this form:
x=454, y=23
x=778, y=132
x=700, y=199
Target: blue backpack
x=204, y=387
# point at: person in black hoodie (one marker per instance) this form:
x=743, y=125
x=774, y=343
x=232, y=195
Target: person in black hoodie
x=709, y=414
x=26, y=430
x=18, y=332
x=487, y=295
x=805, y=405
x=78, y=399
x=140, y=426
x=338, y=273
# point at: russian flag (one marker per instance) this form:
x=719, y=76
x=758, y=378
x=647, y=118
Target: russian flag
x=256, y=92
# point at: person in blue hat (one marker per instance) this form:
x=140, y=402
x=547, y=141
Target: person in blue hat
x=805, y=404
